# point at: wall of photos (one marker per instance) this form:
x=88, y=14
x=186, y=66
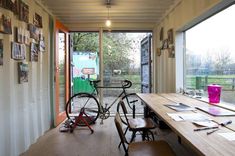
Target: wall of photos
x=24, y=75
x=167, y=65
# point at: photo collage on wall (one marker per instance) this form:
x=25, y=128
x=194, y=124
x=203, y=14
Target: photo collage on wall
x=27, y=37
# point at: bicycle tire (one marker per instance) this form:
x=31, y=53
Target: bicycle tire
x=86, y=101
x=128, y=99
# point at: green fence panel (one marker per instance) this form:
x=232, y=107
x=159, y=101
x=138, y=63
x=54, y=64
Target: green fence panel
x=81, y=85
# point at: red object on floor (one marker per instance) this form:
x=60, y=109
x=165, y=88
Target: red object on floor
x=80, y=118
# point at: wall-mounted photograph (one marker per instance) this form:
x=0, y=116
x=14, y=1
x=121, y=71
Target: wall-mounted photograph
x=22, y=35
x=23, y=11
x=34, y=31
x=161, y=34
x=165, y=44
x=34, y=52
x=42, y=47
x=170, y=36
x=11, y=5
x=1, y=52
x=5, y=24
x=23, y=70
x=171, y=51
x=18, y=51
x=2, y=3
x=37, y=20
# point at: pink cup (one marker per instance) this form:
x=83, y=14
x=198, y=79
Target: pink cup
x=214, y=92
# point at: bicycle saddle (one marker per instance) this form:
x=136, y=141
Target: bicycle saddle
x=94, y=81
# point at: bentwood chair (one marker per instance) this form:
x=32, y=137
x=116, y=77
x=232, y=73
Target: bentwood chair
x=144, y=148
x=142, y=125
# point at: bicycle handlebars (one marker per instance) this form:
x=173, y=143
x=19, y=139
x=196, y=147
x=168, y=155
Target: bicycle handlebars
x=125, y=84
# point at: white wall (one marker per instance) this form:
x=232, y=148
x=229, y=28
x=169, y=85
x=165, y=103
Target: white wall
x=24, y=108
x=185, y=14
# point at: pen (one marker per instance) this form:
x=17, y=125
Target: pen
x=205, y=128
x=208, y=133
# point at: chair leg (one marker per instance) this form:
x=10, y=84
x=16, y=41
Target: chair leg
x=133, y=136
x=124, y=134
x=152, y=135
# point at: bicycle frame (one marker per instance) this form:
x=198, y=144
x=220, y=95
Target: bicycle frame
x=96, y=87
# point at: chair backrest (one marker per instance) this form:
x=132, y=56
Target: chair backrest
x=118, y=124
x=124, y=110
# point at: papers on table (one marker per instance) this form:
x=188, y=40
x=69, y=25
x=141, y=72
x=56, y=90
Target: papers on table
x=180, y=107
x=229, y=136
x=206, y=123
x=188, y=117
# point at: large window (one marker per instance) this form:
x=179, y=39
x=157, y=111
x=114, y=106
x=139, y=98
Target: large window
x=210, y=54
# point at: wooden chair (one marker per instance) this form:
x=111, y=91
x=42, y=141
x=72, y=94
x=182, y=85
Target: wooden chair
x=143, y=125
x=144, y=148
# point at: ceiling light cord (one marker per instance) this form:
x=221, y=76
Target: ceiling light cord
x=108, y=21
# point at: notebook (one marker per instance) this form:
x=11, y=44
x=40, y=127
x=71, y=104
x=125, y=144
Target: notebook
x=216, y=111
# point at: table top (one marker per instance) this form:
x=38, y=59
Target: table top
x=203, y=144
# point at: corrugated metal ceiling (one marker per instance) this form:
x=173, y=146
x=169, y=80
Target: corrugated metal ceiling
x=75, y=12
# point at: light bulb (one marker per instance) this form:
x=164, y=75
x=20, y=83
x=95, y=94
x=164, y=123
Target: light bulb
x=108, y=23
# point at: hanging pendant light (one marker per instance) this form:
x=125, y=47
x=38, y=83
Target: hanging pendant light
x=108, y=22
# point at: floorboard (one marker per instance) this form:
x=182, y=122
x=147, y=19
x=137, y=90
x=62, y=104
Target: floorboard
x=103, y=142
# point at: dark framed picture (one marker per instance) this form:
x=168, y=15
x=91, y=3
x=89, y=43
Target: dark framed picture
x=1, y=23
x=5, y=24
x=37, y=20
x=34, y=32
x=23, y=70
x=23, y=11
x=170, y=36
x=15, y=7
x=34, y=52
x=161, y=34
x=18, y=51
x=9, y=4
x=1, y=52
x=1, y=3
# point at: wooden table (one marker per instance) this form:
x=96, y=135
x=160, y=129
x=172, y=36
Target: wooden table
x=203, y=144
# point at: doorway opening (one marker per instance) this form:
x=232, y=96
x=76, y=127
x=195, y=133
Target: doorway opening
x=121, y=60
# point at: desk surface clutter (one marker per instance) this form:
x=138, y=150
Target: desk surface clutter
x=209, y=130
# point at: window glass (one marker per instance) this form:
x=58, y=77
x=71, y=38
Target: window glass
x=210, y=55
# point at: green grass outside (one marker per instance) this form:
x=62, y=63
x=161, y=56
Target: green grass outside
x=224, y=80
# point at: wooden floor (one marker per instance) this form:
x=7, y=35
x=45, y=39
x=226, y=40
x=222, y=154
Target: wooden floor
x=103, y=142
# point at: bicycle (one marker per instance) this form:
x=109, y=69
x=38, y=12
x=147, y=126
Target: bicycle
x=91, y=108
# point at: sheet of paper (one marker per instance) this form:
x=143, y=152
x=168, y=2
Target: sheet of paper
x=194, y=117
x=175, y=116
x=188, y=117
x=229, y=136
x=206, y=123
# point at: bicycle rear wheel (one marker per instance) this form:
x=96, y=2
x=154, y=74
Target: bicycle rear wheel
x=130, y=100
x=83, y=102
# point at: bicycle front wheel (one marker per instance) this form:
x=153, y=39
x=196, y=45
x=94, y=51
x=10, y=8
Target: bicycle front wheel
x=85, y=105
x=130, y=100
